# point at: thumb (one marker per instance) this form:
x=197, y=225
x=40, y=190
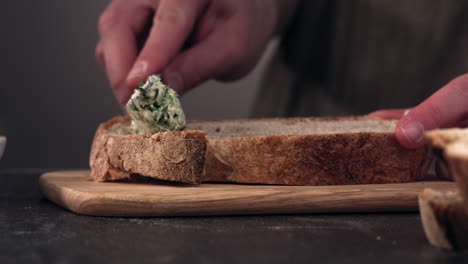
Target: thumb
x=448, y=107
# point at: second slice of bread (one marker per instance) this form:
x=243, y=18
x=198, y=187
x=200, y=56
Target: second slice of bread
x=445, y=215
x=444, y=220
x=308, y=151
x=452, y=146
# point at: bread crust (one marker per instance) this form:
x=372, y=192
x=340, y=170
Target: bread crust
x=441, y=138
x=320, y=159
x=329, y=159
x=457, y=156
x=447, y=142
x=171, y=156
x=444, y=219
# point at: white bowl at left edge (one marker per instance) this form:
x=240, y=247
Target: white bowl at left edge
x=2, y=145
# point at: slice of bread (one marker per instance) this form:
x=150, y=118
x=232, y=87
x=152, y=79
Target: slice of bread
x=441, y=138
x=452, y=144
x=445, y=215
x=444, y=219
x=308, y=151
x=290, y=151
x=170, y=156
x=457, y=156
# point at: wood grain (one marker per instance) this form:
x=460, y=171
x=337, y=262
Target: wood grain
x=74, y=191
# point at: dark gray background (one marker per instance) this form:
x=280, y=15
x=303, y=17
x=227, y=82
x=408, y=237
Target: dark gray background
x=54, y=94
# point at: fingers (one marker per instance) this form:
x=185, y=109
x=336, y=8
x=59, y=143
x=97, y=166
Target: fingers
x=117, y=48
x=207, y=24
x=392, y=114
x=217, y=55
x=172, y=25
x=447, y=107
x=99, y=53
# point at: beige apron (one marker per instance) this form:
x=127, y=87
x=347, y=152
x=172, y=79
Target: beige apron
x=343, y=57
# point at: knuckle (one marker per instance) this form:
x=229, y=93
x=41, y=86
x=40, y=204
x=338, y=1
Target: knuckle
x=97, y=52
x=99, y=55
x=117, y=84
x=237, y=50
x=460, y=86
x=106, y=21
x=234, y=74
x=436, y=115
x=239, y=55
x=175, y=16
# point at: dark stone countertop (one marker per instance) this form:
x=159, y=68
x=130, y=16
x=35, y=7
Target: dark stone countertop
x=34, y=230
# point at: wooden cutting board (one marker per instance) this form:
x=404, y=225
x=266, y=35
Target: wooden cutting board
x=73, y=190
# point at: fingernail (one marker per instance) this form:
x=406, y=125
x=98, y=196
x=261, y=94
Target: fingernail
x=175, y=81
x=407, y=111
x=413, y=131
x=138, y=70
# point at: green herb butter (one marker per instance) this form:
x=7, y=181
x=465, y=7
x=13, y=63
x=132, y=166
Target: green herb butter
x=154, y=107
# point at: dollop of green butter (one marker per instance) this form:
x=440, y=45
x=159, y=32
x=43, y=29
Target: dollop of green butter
x=155, y=107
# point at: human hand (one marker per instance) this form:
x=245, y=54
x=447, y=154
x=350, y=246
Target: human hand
x=448, y=107
x=190, y=41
